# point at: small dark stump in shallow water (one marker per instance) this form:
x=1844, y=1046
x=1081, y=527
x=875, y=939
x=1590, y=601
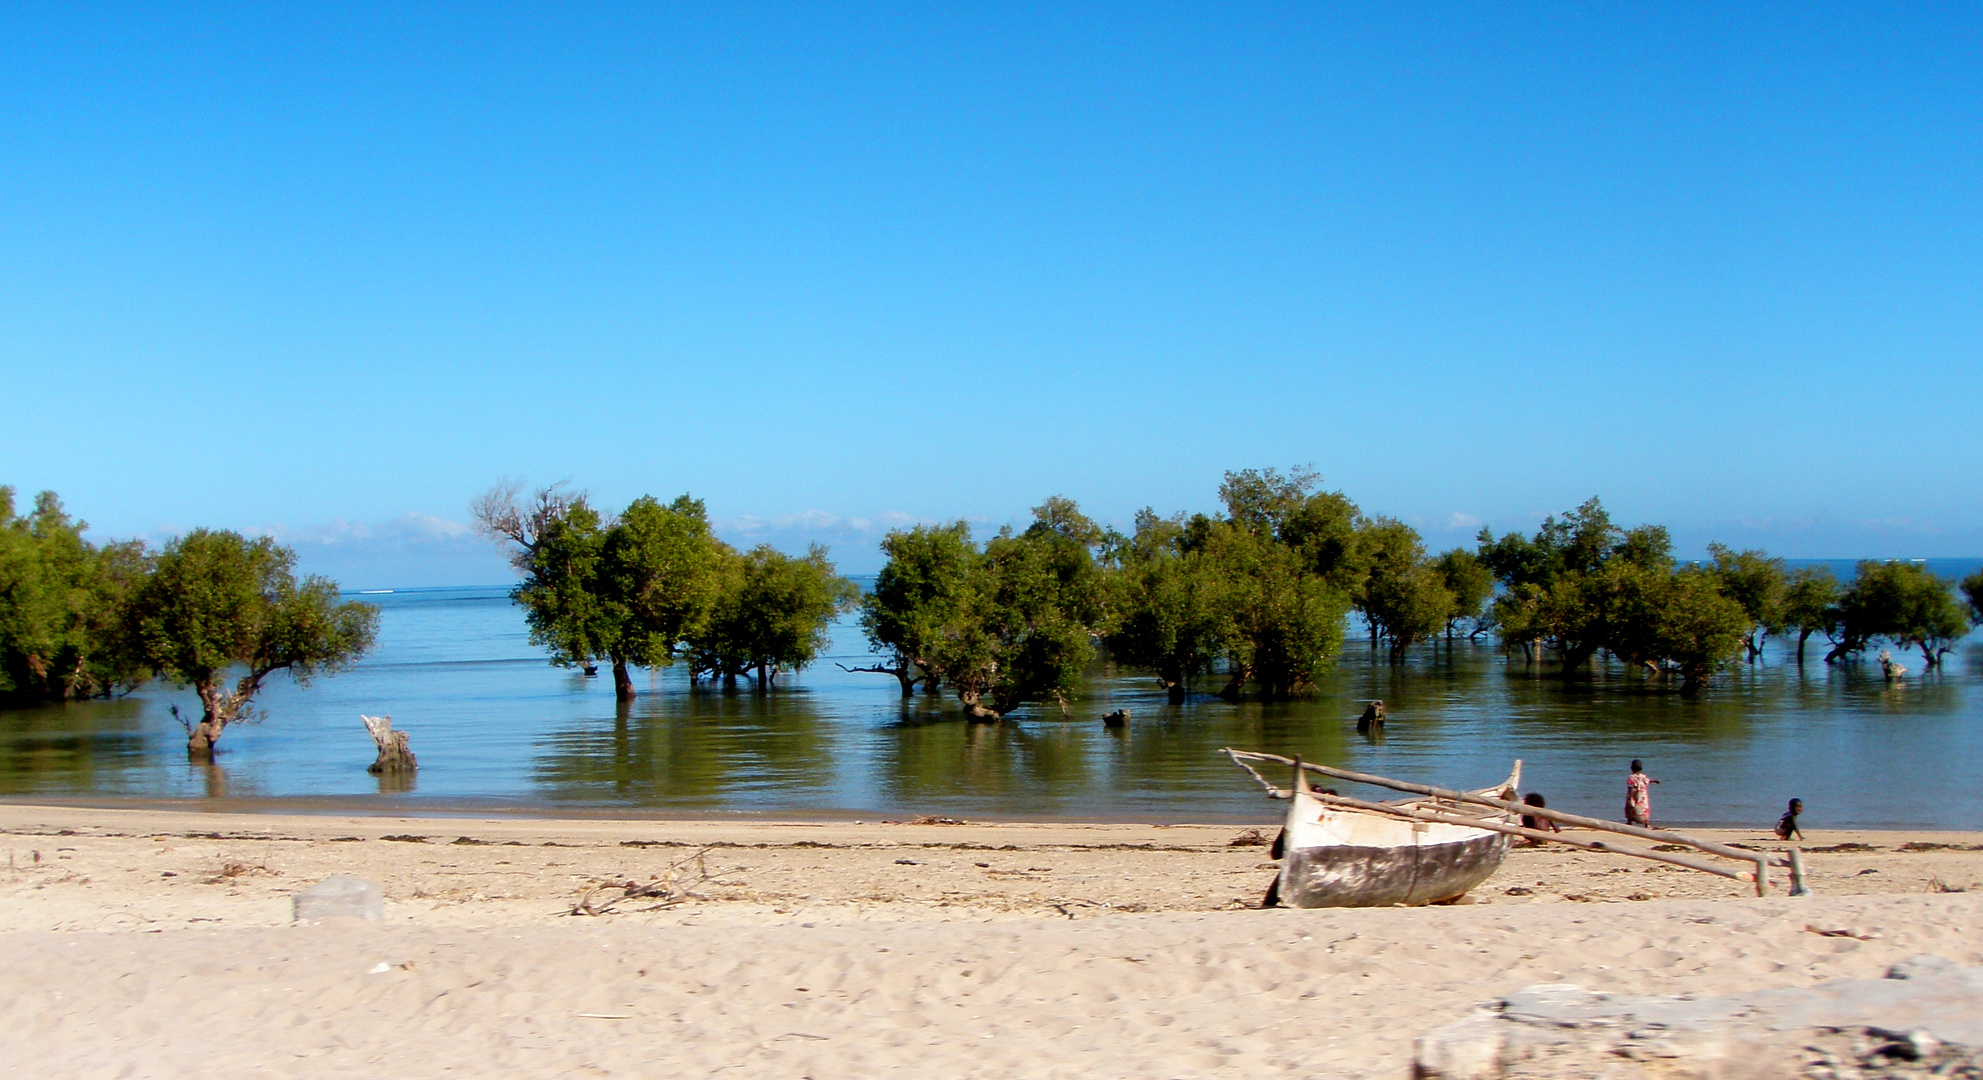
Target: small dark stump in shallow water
x=1372, y=718
x=1118, y=718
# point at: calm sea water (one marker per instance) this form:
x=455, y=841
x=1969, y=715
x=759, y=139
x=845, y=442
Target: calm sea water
x=496, y=728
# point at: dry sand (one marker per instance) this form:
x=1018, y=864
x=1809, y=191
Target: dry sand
x=156, y=943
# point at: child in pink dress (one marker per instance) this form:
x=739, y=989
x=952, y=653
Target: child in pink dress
x=1638, y=797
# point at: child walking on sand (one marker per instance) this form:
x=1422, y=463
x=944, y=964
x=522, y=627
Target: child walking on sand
x=1638, y=796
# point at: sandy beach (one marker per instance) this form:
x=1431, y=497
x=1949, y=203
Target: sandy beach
x=161, y=943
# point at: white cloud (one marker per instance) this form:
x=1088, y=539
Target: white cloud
x=415, y=550
x=1458, y=523
x=408, y=551
x=853, y=541
x=408, y=529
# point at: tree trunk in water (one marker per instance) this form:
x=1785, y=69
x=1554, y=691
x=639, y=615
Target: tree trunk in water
x=217, y=709
x=622, y=680
x=907, y=680
x=763, y=677
x=1174, y=693
x=395, y=754
x=1802, y=637
x=1234, y=684
x=974, y=711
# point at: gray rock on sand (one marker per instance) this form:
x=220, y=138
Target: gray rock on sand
x=341, y=896
x=1926, y=1007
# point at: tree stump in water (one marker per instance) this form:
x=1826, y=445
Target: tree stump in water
x=1118, y=718
x=1373, y=717
x=394, y=753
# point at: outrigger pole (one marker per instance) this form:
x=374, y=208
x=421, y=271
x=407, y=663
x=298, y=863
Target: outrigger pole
x=1419, y=812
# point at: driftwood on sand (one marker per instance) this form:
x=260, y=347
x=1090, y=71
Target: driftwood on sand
x=395, y=755
x=673, y=887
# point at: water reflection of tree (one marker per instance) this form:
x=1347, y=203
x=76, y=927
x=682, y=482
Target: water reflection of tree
x=80, y=747
x=397, y=781
x=219, y=780
x=212, y=777
x=694, y=749
x=1017, y=766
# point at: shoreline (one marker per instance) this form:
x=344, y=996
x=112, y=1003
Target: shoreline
x=141, y=859
x=445, y=808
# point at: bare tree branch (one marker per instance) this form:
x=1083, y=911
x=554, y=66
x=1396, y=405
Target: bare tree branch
x=500, y=517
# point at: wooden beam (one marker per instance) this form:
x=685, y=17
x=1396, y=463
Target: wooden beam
x=1441, y=817
x=1760, y=859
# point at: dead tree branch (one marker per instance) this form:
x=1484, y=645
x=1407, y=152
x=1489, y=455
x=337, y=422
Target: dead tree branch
x=671, y=887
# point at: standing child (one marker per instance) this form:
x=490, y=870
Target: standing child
x=1786, y=826
x=1638, y=796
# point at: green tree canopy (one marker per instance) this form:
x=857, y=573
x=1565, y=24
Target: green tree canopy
x=1002, y=625
x=1902, y=602
x=1699, y=626
x=1035, y=599
x=1757, y=582
x=62, y=603
x=1972, y=591
x=916, y=598
x=1278, y=571
x=1810, y=605
x=1291, y=510
x=627, y=590
x=1582, y=584
x=1259, y=592
x=1471, y=584
x=1161, y=595
x=1563, y=587
x=659, y=576
x=1403, y=596
x=771, y=614
x=216, y=603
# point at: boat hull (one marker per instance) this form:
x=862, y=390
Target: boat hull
x=1347, y=857
x=1340, y=875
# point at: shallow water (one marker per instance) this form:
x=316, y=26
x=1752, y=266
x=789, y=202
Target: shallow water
x=495, y=726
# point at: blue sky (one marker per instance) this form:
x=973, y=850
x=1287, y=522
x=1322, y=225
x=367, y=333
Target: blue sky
x=330, y=271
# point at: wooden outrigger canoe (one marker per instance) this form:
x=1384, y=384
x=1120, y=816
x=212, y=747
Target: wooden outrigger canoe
x=1337, y=856
x=1346, y=852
